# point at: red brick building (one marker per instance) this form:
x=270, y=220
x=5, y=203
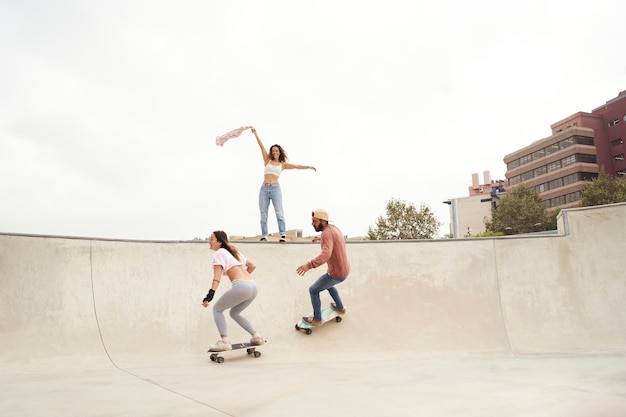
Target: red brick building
x=558, y=166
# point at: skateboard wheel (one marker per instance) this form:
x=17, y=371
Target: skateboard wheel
x=308, y=331
x=256, y=354
x=297, y=327
x=213, y=356
x=219, y=359
x=338, y=319
x=249, y=350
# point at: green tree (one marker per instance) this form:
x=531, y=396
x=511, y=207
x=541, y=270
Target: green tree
x=604, y=190
x=405, y=221
x=487, y=234
x=520, y=211
x=552, y=223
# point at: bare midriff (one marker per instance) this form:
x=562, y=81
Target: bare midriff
x=270, y=179
x=237, y=273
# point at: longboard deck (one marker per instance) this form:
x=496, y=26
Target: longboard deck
x=328, y=314
x=237, y=346
x=251, y=349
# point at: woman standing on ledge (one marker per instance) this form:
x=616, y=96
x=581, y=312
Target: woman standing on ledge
x=275, y=162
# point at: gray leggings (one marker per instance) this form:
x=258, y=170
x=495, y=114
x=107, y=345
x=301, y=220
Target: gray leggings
x=237, y=299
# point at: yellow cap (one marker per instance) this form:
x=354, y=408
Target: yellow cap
x=320, y=214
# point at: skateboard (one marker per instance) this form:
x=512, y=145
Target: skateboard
x=328, y=314
x=250, y=349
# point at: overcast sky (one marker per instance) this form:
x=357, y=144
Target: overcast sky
x=109, y=110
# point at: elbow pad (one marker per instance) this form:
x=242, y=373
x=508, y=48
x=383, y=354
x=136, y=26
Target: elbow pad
x=209, y=296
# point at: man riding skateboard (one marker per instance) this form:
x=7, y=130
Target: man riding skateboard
x=334, y=254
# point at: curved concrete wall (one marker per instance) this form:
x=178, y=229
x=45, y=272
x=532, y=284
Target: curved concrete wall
x=76, y=303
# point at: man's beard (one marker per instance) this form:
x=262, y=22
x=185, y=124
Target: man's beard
x=319, y=228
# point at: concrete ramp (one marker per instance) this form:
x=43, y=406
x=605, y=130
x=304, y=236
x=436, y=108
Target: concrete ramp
x=77, y=304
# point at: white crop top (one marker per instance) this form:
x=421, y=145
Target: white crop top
x=273, y=169
x=226, y=260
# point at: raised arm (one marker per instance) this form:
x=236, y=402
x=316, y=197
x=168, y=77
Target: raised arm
x=287, y=165
x=266, y=157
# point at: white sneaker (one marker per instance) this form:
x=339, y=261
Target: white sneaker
x=257, y=341
x=220, y=346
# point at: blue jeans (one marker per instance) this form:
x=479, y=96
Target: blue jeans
x=325, y=282
x=271, y=192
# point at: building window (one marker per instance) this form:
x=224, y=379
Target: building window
x=613, y=122
x=525, y=159
x=552, y=148
x=553, y=166
x=569, y=160
x=512, y=164
x=555, y=147
x=557, y=183
x=588, y=176
x=539, y=154
x=569, y=179
x=619, y=157
x=617, y=142
x=563, y=199
x=567, y=142
x=584, y=140
x=589, y=159
x=540, y=170
x=573, y=197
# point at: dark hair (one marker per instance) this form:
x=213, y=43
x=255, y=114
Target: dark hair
x=221, y=237
x=282, y=157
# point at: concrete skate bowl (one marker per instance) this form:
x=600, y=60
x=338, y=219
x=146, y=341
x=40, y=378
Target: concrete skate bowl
x=84, y=304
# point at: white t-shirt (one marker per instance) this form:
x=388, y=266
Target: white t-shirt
x=226, y=260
